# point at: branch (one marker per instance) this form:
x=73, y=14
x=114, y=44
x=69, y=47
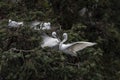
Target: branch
x=19, y=50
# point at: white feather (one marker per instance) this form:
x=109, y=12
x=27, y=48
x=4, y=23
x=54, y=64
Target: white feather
x=35, y=23
x=46, y=26
x=41, y=25
x=14, y=23
x=72, y=48
x=49, y=41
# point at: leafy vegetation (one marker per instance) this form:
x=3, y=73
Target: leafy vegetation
x=22, y=58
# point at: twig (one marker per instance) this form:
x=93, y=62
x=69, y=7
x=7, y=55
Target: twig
x=19, y=50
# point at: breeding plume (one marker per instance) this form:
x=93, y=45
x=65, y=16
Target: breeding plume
x=72, y=48
x=50, y=41
x=14, y=23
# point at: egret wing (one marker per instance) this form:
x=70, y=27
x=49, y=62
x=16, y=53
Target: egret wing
x=77, y=46
x=13, y=24
x=45, y=38
x=49, y=41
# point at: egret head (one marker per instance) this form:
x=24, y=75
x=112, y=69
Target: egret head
x=48, y=23
x=65, y=35
x=54, y=34
x=9, y=20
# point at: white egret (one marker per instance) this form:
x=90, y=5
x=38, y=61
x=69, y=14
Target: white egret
x=37, y=25
x=14, y=23
x=45, y=26
x=50, y=41
x=72, y=48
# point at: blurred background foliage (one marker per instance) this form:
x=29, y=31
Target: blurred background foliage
x=91, y=20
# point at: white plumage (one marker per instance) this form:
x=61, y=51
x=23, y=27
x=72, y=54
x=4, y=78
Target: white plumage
x=50, y=41
x=46, y=26
x=37, y=25
x=14, y=23
x=72, y=48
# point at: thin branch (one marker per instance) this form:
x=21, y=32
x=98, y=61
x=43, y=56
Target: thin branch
x=19, y=50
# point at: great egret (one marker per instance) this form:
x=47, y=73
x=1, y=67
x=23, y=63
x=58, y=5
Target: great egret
x=50, y=41
x=46, y=26
x=14, y=23
x=37, y=25
x=72, y=48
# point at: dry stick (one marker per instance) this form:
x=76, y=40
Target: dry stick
x=18, y=50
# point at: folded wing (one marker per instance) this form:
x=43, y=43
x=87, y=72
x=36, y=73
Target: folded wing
x=49, y=41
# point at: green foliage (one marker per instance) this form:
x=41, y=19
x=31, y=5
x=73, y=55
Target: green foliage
x=50, y=65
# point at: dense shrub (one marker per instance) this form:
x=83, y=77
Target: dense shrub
x=22, y=58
